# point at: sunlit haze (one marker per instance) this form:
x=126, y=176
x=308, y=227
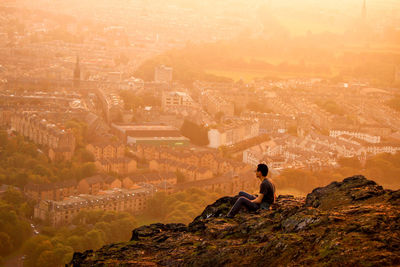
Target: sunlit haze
x=120, y=113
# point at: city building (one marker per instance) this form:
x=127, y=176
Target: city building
x=149, y=134
x=362, y=136
x=122, y=166
x=174, y=99
x=62, y=212
x=107, y=150
x=53, y=191
x=60, y=142
x=214, y=103
x=232, y=132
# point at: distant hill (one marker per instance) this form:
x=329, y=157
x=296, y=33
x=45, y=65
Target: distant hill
x=326, y=55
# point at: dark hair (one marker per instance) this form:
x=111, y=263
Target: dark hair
x=263, y=168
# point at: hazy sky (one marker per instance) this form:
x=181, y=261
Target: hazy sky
x=297, y=16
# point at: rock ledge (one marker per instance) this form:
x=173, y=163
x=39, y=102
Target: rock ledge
x=354, y=222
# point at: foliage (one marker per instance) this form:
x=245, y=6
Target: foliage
x=218, y=116
x=394, y=103
x=91, y=230
x=22, y=162
x=14, y=228
x=196, y=133
x=83, y=155
x=292, y=130
x=79, y=128
x=185, y=69
x=180, y=177
x=151, y=100
x=180, y=207
x=331, y=107
x=133, y=101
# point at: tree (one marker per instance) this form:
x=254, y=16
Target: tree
x=180, y=177
x=219, y=116
x=159, y=201
x=86, y=170
x=94, y=239
x=6, y=245
x=34, y=248
x=131, y=100
x=106, y=228
x=63, y=254
x=121, y=229
x=3, y=139
x=394, y=103
x=13, y=224
x=13, y=196
x=79, y=130
x=179, y=207
x=83, y=155
x=292, y=130
x=42, y=170
x=76, y=242
x=197, y=134
x=48, y=259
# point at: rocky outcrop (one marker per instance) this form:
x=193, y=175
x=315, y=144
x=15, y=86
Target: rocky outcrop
x=353, y=223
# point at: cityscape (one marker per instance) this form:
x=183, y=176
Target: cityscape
x=116, y=114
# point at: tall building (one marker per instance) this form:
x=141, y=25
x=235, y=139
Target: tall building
x=163, y=73
x=175, y=99
x=232, y=133
x=77, y=73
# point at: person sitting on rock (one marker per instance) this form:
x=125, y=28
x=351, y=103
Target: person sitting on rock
x=263, y=200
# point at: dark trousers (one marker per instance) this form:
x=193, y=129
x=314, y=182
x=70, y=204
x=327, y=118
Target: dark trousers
x=243, y=200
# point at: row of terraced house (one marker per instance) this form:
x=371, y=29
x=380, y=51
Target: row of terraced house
x=198, y=165
x=119, y=200
x=59, y=142
x=93, y=185
x=110, y=157
x=58, y=203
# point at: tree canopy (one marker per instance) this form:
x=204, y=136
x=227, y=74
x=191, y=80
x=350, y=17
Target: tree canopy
x=91, y=230
x=196, y=133
x=180, y=207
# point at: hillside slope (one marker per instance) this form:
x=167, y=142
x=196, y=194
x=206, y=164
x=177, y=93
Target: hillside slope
x=354, y=222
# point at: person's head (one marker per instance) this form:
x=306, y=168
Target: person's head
x=262, y=170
